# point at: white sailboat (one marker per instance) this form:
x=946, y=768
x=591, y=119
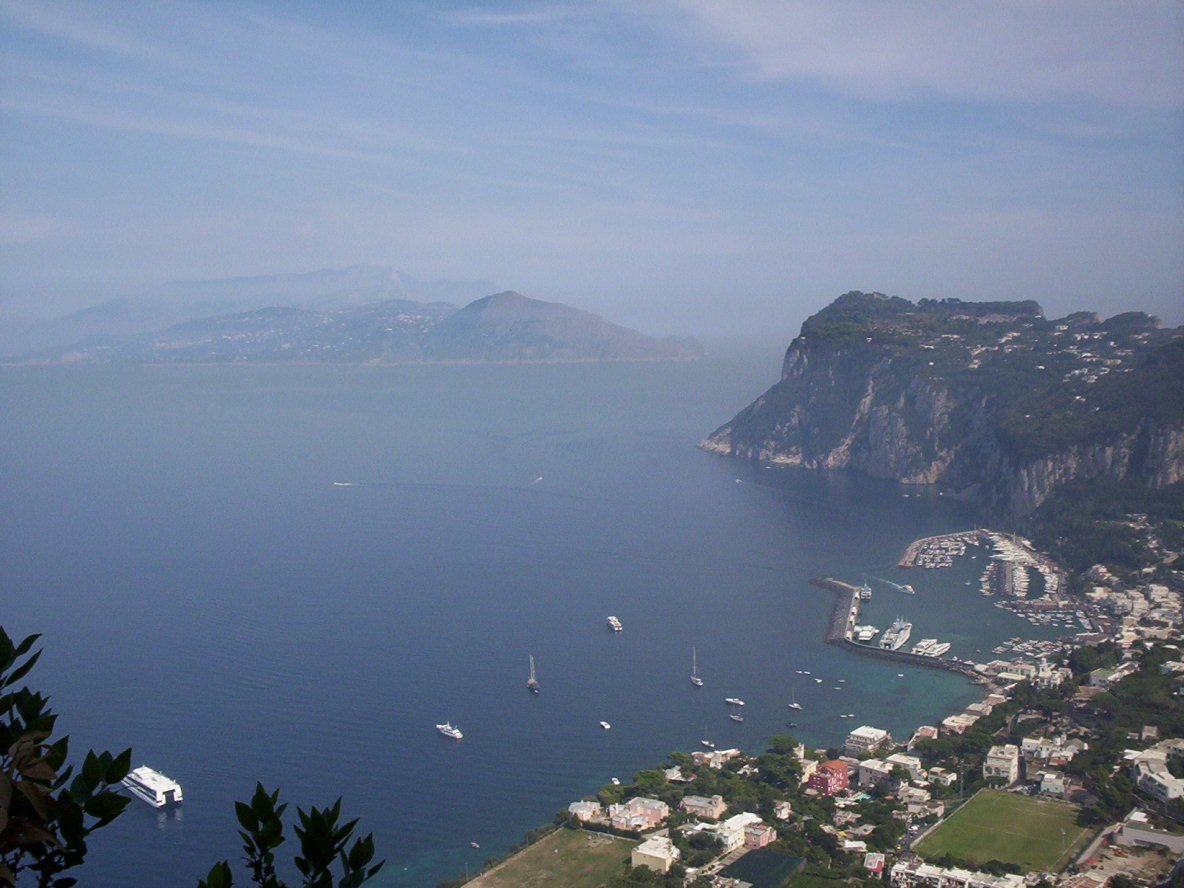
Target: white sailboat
x=708, y=743
x=532, y=683
x=695, y=679
x=793, y=704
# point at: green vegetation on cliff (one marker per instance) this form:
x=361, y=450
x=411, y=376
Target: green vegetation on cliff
x=990, y=399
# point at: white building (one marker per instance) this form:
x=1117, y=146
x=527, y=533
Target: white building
x=866, y=739
x=872, y=771
x=910, y=763
x=657, y=853
x=916, y=873
x=1003, y=762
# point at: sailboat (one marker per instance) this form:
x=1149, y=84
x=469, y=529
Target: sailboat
x=695, y=679
x=532, y=683
x=708, y=743
x=793, y=696
x=735, y=715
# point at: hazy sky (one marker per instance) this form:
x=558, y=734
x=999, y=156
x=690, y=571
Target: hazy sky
x=737, y=163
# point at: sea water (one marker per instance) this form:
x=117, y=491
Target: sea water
x=292, y=574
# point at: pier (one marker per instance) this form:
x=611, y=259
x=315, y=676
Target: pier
x=844, y=617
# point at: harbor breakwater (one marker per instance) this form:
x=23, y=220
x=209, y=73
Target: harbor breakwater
x=844, y=617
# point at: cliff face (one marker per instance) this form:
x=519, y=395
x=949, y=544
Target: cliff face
x=989, y=400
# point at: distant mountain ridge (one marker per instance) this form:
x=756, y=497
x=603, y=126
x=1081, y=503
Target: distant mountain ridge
x=326, y=290
x=991, y=401
x=504, y=327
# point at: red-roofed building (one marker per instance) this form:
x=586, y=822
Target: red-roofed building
x=830, y=778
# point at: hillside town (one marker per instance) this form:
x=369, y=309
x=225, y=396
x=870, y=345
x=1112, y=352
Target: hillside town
x=1068, y=771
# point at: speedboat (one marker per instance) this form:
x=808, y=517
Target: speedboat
x=605, y=725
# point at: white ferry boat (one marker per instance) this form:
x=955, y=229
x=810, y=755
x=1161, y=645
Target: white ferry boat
x=152, y=787
x=896, y=635
x=865, y=591
x=614, y=624
x=448, y=730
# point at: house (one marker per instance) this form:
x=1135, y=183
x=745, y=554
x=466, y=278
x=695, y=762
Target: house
x=918, y=873
x=782, y=810
x=873, y=862
x=638, y=814
x=957, y=724
x=910, y=763
x=866, y=739
x=940, y=775
x=699, y=806
x=925, y=732
x=1138, y=830
x=716, y=759
x=830, y=777
x=1150, y=771
x=731, y=832
x=585, y=811
x=656, y=853
x=1052, y=783
x=1003, y=762
x=757, y=835
x=872, y=771
x=809, y=766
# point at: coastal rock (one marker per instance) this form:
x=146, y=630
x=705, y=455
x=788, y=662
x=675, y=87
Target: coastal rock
x=989, y=400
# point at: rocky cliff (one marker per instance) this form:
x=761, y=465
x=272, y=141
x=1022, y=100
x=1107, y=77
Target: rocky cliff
x=988, y=400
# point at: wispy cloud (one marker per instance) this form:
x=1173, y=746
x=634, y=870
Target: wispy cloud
x=477, y=16
x=1120, y=53
x=77, y=25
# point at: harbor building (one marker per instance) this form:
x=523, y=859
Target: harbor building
x=866, y=739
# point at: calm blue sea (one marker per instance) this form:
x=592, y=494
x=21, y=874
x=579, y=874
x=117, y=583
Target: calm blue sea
x=209, y=596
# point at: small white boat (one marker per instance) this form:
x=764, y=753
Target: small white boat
x=818, y=681
x=614, y=624
x=474, y=845
x=695, y=679
x=532, y=683
x=705, y=741
x=605, y=725
x=152, y=787
x=616, y=781
x=449, y=730
x=733, y=701
x=793, y=699
x=736, y=717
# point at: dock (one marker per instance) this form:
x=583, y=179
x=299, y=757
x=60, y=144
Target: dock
x=842, y=624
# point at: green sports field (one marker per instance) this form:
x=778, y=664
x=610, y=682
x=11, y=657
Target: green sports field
x=1036, y=834
x=569, y=857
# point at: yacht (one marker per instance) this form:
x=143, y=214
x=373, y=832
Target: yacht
x=605, y=725
x=695, y=679
x=705, y=742
x=448, y=730
x=736, y=716
x=614, y=624
x=931, y=647
x=152, y=787
x=865, y=591
x=865, y=633
x=733, y=701
x=793, y=697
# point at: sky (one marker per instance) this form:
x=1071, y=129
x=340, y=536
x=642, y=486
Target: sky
x=683, y=166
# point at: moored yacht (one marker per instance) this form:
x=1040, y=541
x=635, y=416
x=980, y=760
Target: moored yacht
x=733, y=701
x=152, y=787
x=614, y=624
x=448, y=730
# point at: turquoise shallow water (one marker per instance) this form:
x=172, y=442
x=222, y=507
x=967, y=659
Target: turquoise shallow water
x=210, y=597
